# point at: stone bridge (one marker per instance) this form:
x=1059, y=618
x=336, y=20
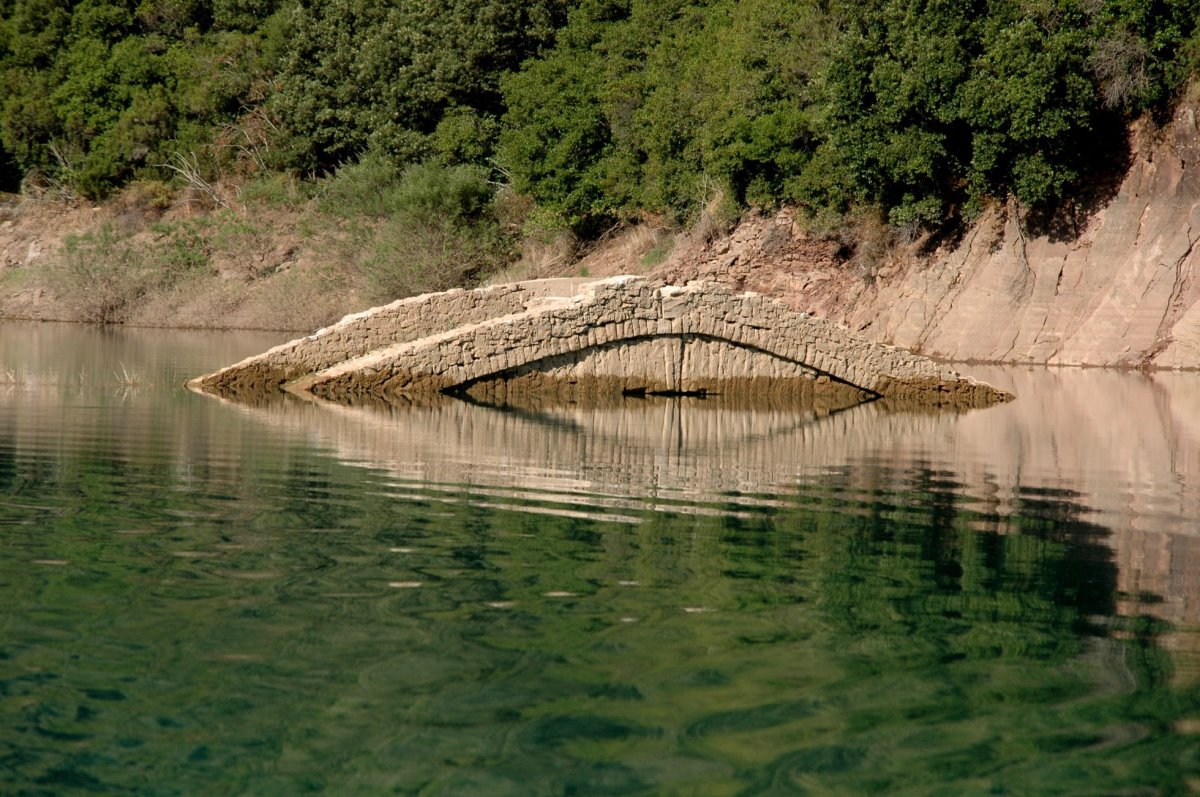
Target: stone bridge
x=619, y=336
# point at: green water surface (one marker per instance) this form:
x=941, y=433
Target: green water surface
x=208, y=599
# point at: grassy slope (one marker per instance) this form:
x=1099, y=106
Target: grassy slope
x=268, y=258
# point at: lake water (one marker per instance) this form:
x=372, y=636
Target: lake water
x=670, y=597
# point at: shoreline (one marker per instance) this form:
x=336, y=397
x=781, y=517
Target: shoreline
x=1122, y=291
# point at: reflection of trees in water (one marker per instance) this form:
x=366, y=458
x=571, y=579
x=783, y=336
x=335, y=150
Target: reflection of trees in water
x=849, y=615
x=867, y=653
x=1020, y=466
x=945, y=650
x=835, y=639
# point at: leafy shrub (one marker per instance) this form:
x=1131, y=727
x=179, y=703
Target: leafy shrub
x=99, y=275
x=409, y=257
x=275, y=190
x=374, y=188
x=103, y=273
x=362, y=188
x=430, y=227
x=426, y=192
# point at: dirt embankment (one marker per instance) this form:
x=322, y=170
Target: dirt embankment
x=1117, y=284
x=185, y=264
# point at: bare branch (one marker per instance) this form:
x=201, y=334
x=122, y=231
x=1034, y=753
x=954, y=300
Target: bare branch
x=189, y=170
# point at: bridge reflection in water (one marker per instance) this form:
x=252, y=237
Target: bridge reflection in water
x=1116, y=451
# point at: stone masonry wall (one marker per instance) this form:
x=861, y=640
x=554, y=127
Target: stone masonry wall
x=757, y=335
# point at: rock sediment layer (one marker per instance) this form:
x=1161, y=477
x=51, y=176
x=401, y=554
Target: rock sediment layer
x=622, y=335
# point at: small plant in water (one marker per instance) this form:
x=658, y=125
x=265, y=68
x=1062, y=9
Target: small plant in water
x=18, y=377
x=128, y=379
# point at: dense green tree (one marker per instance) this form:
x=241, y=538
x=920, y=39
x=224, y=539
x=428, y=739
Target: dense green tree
x=917, y=107
x=891, y=115
x=743, y=117
x=603, y=109
x=98, y=91
x=1029, y=102
x=932, y=103
x=1142, y=50
x=556, y=138
x=387, y=76
x=657, y=103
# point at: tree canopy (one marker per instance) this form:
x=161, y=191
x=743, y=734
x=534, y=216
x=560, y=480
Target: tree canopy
x=601, y=109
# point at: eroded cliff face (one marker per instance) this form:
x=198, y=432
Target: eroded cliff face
x=1121, y=289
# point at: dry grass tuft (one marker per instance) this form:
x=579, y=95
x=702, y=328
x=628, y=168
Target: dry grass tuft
x=128, y=379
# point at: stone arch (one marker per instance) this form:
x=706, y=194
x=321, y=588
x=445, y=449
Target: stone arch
x=673, y=363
